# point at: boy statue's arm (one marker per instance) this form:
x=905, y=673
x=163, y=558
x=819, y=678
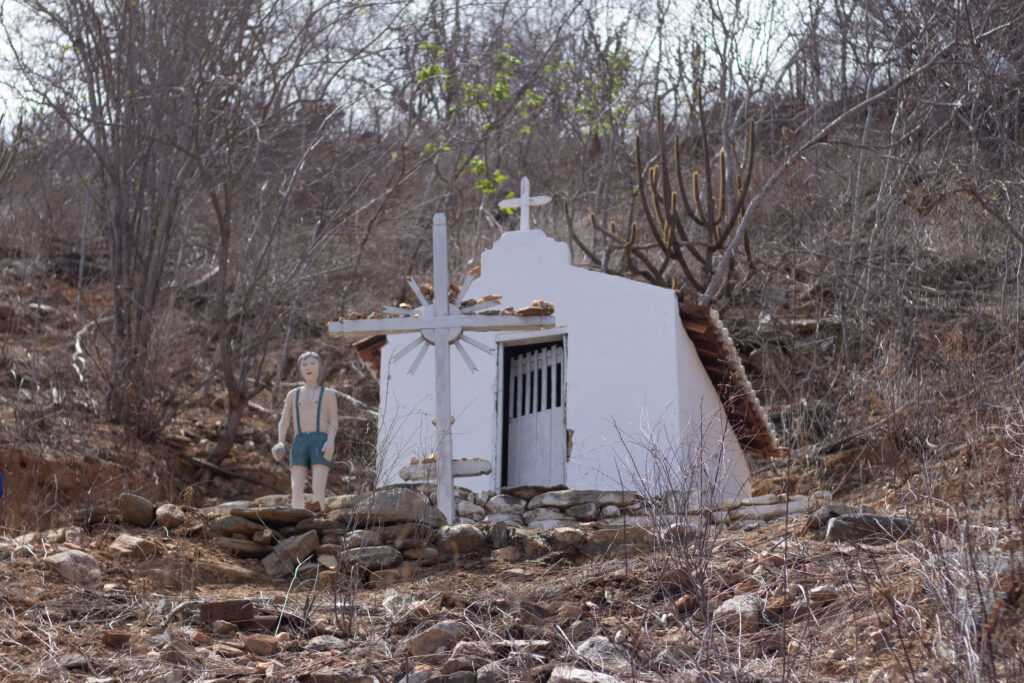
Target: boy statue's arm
x=331, y=408
x=282, y=427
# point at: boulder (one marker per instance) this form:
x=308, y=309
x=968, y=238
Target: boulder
x=289, y=552
x=602, y=653
x=326, y=643
x=505, y=505
x=466, y=508
x=135, y=546
x=565, y=673
x=261, y=644
x=361, y=538
x=545, y=514
x=242, y=547
x=386, y=506
x=741, y=613
x=278, y=516
x=406, y=535
x=528, y=493
x=610, y=512
x=324, y=526
x=565, y=538
x=440, y=637
x=550, y=523
x=569, y=497
x=170, y=516
x=512, y=519
x=229, y=525
x=135, y=509
x=867, y=528
x=371, y=557
x=427, y=554
x=76, y=566
x=460, y=538
x=585, y=512
x=768, y=511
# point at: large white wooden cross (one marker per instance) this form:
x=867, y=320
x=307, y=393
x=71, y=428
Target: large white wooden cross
x=441, y=324
x=524, y=202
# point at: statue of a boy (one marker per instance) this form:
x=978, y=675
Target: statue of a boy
x=314, y=410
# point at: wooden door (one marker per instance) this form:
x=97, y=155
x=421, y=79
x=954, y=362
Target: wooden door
x=535, y=415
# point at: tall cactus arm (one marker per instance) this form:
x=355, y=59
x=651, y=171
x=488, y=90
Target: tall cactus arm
x=744, y=187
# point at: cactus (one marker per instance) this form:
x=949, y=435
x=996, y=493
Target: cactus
x=710, y=215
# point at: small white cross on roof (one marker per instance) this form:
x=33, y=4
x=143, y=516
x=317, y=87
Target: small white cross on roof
x=524, y=202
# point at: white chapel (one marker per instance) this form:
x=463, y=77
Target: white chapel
x=624, y=392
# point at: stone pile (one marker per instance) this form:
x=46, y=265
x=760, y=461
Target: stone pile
x=390, y=534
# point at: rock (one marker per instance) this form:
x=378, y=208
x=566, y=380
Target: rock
x=499, y=535
x=823, y=594
x=386, y=506
x=610, y=512
x=276, y=500
x=601, y=540
x=361, y=538
x=76, y=566
x=460, y=538
x=261, y=644
x=534, y=545
x=585, y=512
x=232, y=524
x=565, y=538
x=569, y=497
x=751, y=524
x=741, y=613
x=765, y=499
x=290, y=551
x=768, y=511
x=75, y=661
x=867, y=528
x=263, y=536
x=509, y=553
x=428, y=554
x=372, y=558
x=528, y=493
x=326, y=643
x=135, y=509
x=819, y=518
x=466, y=508
x=116, y=638
x=170, y=516
x=681, y=532
x=686, y=603
x=242, y=547
x=232, y=611
x=514, y=520
x=505, y=505
x=545, y=514
x=324, y=526
x=819, y=498
x=135, y=546
x=223, y=628
x=406, y=535
x=494, y=672
x=564, y=673
x=551, y=523
x=278, y=516
x=440, y=637
x=600, y=652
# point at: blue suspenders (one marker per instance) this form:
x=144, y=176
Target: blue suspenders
x=298, y=420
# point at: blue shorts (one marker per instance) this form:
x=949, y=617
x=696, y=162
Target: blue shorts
x=308, y=450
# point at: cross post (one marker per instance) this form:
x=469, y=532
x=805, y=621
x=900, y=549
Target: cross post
x=524, y=202
x=442, y=325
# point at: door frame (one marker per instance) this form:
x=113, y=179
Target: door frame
x=506, y=348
